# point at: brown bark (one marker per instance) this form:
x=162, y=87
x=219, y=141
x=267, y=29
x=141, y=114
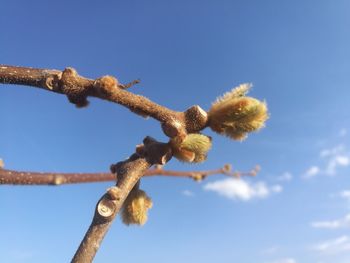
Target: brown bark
x=129, y=173
x=12, y=177
x=78, y=89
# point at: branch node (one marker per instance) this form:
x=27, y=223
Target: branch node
x=51, y=82
x=70, y=85
x=174, y=128
x=114, y=193
x=156, y=152
x=58, y=180
x=140, y=149
x=227, y=168
x=106, y=207
x=106, y=84
x=196, y=119
x=198, y=177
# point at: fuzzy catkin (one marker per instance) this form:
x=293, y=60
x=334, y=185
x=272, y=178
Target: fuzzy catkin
x=135, y=208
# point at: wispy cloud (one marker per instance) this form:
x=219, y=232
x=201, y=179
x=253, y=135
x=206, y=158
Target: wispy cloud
x=238, y=189
x=285, y=177
x=337, y=157
x=333, y=246
x=187, y=193
x=332, y=151
x=335, y=162
x=311, y=172
x=333, y=224
x=345, y=194
x=333, y=158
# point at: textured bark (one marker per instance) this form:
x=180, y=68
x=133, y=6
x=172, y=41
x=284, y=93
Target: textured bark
x=128, y=173
x=78, y=89
x=108, y=207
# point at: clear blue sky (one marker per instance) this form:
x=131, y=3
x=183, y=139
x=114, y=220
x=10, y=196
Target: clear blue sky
x=297, y=55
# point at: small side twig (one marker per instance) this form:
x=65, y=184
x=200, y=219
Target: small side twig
x=12, y=177
x=130, y=84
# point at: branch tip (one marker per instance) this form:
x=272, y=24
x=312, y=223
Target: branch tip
x=130, y=84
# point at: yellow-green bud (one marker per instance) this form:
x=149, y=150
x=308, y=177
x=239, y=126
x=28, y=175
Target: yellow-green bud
x=234, y=115
x=193, y=148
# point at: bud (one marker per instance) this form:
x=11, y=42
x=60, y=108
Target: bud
x=234, y=115
x=135, y=208
x=106, y=84
x=193, y=148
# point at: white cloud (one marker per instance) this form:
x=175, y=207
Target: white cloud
x=333, y=224
x=287, y=176
x=276, y=188
x=335, y=162
x=333, y=246
x=334, y=158
x=238, y=189
x=312, y=172
x=187, y=193
x=345, y=194
x=285, y=260
x=332, y=151
x=337, y=157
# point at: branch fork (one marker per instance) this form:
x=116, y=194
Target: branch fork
x=233, y=115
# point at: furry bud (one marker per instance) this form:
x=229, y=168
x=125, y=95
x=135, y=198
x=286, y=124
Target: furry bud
x=193, y=148
x=135, y=208
x=106, y=84
x=234, y=114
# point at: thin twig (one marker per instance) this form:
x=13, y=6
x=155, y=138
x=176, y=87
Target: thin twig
x=130, y=84
x=12, y=177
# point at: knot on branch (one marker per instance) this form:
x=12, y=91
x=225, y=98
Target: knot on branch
x=195, y=119
x=71, y=85
x=106, y=84
x=174, y=128
x=155, y=152
x=198, y=177
x=106, y=208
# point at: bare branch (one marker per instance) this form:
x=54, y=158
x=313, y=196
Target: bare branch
x=129, y=173
x=78, y=89
x=12, y=177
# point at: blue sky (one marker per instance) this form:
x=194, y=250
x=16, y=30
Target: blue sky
x=296, y=54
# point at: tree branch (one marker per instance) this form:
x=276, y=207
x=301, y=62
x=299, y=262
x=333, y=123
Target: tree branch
x=12, y=177
x=78, y=88
x=129, y=173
